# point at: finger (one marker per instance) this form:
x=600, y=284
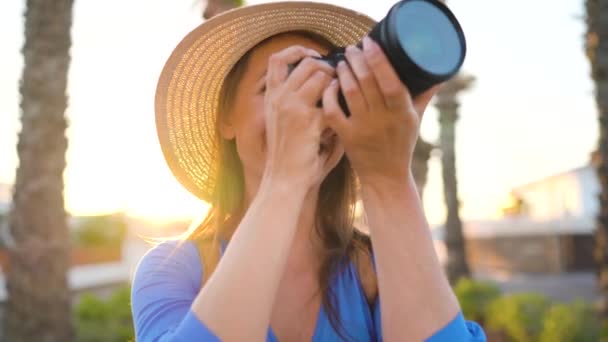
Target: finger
x=319, y=126
x=312, y=90
x=333, y=115
x=396, y=95
x=366, y=79
x=350, y=89
x=304, y=70
x=278, y=63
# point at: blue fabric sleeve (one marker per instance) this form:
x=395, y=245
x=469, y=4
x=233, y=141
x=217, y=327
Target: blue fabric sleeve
x=458, y=330
x=165, y=284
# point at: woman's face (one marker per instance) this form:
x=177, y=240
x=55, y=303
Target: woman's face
x=245, y=121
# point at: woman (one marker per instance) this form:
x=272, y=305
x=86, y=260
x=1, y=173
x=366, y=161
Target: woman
x=242, y=132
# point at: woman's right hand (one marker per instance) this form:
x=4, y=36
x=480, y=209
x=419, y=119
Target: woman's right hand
x=293, y=122
x=268, y=227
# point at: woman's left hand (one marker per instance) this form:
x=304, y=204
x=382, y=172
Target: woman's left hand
x=380, y=135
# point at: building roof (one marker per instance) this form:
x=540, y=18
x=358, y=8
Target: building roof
x=522, y=226
x=533, y=183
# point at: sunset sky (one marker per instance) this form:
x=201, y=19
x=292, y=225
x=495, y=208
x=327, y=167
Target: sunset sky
x=531, y=113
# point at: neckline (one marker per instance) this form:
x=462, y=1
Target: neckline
x=273, y=337
x=320, y=316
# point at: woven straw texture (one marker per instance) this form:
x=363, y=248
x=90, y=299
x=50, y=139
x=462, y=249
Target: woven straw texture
x=188, y=91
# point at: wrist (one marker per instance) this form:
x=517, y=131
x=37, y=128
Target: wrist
x=385, y=186
x=389, y=201
x=282, y=188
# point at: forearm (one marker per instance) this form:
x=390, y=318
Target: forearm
x=237, y=300
x=415, y=297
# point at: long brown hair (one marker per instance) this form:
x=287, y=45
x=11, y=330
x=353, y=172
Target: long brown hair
x=335, y=209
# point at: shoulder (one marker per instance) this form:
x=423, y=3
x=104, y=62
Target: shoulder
x=166, y=281
x=171, y=260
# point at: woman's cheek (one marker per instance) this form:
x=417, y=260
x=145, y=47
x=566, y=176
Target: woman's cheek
x=259, y=126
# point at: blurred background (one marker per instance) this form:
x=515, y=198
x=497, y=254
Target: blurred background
x=514, y=213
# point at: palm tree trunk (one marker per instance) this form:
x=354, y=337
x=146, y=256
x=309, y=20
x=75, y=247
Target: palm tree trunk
x=447, y=104
x=597, y=52
x=38, y=307
x=420, y=165
x=215, y=7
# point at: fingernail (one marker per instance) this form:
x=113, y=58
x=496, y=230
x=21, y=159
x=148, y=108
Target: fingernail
x=350, y=49
x=341, y=65
x=314, y=52
x=333, y=82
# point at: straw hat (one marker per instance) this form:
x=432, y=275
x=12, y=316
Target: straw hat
x=188, y=92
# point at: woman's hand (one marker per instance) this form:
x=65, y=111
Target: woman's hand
x=379, y=138
x=380, y=135
x=293, y=122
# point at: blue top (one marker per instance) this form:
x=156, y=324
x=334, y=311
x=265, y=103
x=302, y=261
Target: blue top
x=168, y=278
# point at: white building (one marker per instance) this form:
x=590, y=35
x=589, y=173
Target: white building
x=565, y=203
x=570, y=195
x=548, y=227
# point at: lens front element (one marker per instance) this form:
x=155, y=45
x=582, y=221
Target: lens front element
x=428, y=37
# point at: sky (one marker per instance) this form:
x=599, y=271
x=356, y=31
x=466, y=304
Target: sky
x=529, y=115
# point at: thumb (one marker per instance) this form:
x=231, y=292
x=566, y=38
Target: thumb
x=333, y=116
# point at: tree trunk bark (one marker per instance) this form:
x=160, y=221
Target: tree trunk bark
x=215, y=7
x=457, y=265
x=420, y=164
x=597, y=52
x=38, y=307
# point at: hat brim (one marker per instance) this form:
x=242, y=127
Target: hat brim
x=188, y=91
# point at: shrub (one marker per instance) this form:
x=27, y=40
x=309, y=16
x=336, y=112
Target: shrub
x=100, y=230
x=108, y=320
x=519, y=316
x=574, y=322
x=474, y=297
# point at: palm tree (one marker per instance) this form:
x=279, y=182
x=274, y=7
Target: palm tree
x=38, y=307
x=447, y=104
x=215, y=7
x=597, y=52
x=422, y=153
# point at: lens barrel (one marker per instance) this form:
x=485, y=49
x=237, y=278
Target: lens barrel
x=423, y=41
x=433, y=17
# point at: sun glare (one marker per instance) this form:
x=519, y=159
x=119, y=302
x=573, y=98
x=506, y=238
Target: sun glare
x=154, y=196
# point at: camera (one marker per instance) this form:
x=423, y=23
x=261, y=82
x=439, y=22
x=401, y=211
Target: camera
x=423, y=41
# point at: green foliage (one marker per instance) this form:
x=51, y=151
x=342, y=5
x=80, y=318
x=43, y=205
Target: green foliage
x=519, y=316
x=528, y=316
x=105, y=320
x=604, y=331
x=100, y=230
x=574, y=322
x=475, y=296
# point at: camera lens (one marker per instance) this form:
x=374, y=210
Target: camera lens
x=422, y=40
x=428, y=37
